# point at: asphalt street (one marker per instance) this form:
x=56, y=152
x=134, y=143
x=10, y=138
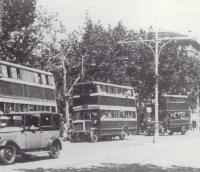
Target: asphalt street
x=136, y=153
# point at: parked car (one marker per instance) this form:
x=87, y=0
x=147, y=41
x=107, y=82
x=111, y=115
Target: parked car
x=25, y=132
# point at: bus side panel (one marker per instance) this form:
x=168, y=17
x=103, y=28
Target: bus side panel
x=114, y=127
x=103, y=100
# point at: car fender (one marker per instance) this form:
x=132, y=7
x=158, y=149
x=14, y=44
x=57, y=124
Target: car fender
x=53, y=140
x=4, y=142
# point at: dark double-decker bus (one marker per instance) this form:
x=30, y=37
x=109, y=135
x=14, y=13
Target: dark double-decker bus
x=25, y=89
x=103, y=110
x=174, y=113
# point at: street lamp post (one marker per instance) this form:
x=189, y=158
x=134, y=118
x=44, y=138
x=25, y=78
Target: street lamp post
x=159, y=44
x=156, y=132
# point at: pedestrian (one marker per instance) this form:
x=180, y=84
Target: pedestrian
x=62, y=127
x=65, y=131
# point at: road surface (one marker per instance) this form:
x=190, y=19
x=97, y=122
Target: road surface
x=137, y=153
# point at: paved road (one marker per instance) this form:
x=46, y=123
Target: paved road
x=137, y=153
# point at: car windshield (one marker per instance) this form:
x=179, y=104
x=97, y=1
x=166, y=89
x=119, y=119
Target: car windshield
x=11, y=121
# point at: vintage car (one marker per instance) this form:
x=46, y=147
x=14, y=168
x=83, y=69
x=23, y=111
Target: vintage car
x=26, y=132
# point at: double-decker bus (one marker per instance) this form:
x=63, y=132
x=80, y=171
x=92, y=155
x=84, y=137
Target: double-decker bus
x=103, y=110
x=174, y=113
x=26, y=89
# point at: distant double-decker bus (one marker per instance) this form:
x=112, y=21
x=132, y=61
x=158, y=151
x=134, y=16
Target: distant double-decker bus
x=174, y=113
x=26, y=89
x=103, y=110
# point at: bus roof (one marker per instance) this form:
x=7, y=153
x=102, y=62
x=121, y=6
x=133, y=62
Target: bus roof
x=31, y=113
x=24, y=67
x=103, y=83
x=176, y=96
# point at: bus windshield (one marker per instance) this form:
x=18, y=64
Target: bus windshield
x=85, y=115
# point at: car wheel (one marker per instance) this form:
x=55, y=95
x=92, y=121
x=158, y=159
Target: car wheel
x=124, y=134
x=94, y=136
x=8, y=154
x=54, y=150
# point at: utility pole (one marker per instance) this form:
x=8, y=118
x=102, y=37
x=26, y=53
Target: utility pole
x=156, y=49
x=156, y=132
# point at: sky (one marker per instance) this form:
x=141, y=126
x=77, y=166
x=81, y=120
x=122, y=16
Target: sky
x=165, y=15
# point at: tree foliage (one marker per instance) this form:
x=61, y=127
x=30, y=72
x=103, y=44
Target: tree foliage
x=18, y=15
x=133, y=64
x=36, y=38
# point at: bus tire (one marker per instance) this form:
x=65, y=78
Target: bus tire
x=123, y=134
x=183, y=130
x=94, y=136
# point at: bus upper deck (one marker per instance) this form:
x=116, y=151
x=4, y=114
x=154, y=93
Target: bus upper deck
x=23, y=88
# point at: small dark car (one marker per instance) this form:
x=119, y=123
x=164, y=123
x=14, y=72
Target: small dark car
x=22, y=132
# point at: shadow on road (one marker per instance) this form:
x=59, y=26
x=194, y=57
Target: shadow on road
x=32, y=158
x=117, y=168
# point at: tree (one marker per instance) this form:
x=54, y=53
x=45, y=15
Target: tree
x=18, y=15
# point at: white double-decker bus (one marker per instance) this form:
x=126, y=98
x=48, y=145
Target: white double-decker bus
x=103, y=110
x=26, y=89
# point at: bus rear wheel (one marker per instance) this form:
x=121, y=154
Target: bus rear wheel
x=94, y=136
x=124, y=134
x=183, y=130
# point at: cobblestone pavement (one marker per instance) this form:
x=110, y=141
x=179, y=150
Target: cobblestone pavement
x=137, y=153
